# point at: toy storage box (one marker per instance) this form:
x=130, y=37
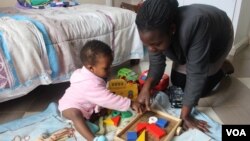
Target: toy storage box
x=173, y=124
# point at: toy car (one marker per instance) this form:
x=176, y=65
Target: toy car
x=127, y=74
x=162, y=85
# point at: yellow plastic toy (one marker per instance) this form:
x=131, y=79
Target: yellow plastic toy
x=142, y=136
x=108, y=121
x=123, y=88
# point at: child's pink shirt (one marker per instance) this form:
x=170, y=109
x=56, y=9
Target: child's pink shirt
x=87, y=92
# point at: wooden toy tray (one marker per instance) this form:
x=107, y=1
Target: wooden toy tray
x=173, y=124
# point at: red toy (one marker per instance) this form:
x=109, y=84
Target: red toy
x=116, y=120
x=141, y=126
x=162, y=85
x=156, y=131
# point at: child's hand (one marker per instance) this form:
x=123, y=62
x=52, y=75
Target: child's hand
x=136, y=106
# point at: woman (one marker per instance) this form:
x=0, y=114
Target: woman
x=197, y=38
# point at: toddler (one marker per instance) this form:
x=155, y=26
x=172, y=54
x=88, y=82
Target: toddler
x=88, y=93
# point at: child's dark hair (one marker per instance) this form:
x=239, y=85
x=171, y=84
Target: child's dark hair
x=94, y=49
x=157, y=15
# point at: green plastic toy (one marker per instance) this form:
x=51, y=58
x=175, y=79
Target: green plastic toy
x=39, y=2
x=126, y=114
x=127, y=74
x=115, y=113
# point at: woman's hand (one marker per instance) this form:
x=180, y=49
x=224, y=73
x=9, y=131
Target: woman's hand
x=137, y=107
x=191, y=122
x=144, y=98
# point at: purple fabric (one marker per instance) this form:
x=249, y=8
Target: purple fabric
x=18, y=5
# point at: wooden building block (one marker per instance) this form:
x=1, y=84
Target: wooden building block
x=141, y=126
x=116, y=120
x=156, y=130
x=142, y=136
x=131, y=136
x=108, y=121
x=162, y=122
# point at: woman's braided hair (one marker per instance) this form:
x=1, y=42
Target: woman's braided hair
x=156, y=15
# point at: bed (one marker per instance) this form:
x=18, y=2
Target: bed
x=41, y=46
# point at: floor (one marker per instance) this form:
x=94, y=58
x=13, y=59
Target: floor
x=229, y=104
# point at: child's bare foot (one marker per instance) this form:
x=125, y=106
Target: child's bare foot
x=227, y=67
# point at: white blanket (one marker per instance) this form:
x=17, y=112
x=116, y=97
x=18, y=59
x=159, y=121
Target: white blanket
x=26, y=47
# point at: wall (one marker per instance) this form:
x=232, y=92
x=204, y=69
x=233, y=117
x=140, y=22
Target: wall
x=241, y=22
x=243, y=26
x=249, y=36
x=135, y=1
x=226, y=5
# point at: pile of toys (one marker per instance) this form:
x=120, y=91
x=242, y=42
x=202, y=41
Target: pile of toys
x=116, y=117
x=42, y=4
x=113, y=120
x=128, y=83
x=174, y=93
